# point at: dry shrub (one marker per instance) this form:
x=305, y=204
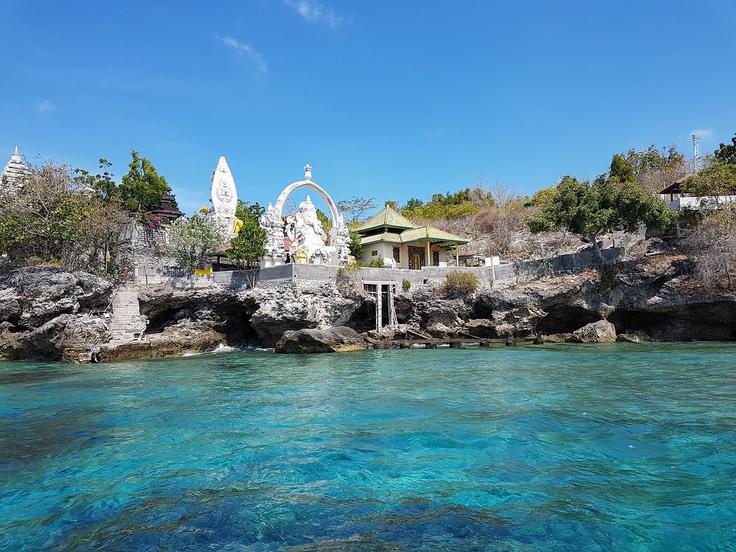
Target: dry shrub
x=461, y=283
x=500, y=226
x=712, y=244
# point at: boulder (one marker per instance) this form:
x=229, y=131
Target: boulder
x=313, y=340
x=296, y=306
x=595, y=332
x=481, y=327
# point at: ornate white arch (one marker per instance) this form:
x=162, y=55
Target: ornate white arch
x=284, y=195
x=273, y=223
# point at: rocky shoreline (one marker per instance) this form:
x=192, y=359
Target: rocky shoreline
x=49, y=314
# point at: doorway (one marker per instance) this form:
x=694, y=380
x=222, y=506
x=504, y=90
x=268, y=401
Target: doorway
x=416, y=258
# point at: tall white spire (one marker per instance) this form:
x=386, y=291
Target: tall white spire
x=15, y=171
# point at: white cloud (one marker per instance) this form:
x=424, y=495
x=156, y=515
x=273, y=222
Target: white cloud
x=44, y=106
x=703, y=133
x=313, y=11
x=246, y=51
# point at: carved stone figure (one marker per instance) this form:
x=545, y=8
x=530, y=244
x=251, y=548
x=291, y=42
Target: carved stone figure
x=224, y=198
x=341, y=241
x=274, y=226
x=308, y=236
x=304, y=229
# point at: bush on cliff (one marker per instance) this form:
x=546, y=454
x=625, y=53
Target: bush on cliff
x=194, y=239
x=612, y=202
x=713, y=246
x=461, y=283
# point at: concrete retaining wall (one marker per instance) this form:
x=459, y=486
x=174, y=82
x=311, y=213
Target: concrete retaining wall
x=521, y=271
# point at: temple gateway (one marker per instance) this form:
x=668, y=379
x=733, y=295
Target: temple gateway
x=301, y=238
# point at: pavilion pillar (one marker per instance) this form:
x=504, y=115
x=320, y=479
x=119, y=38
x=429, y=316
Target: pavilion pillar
x=379, y=307
x=429, y=254
x=457, y=255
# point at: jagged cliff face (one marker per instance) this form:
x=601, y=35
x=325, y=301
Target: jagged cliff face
x=45, y=313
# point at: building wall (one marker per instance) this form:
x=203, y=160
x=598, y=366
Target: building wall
x=385, y=251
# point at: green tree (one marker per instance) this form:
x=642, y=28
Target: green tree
x=142, y=188
x=621, y=170
x=356, y=248
x=726, y=153
x=717, y=180
x=53, y=221
x=544, y=197
x=413, y=203
x=193, y=240
x=655, y=170
x=102, y=183
x=324, y=221
x=250, y=243
x=591, y=210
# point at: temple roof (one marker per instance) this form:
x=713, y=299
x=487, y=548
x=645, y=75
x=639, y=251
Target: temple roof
x=424, y=233
x=399, y=229
x=16, y=169
x=431, y=234
x=388, y=218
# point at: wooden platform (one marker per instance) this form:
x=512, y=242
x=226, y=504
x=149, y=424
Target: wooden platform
x=453, y=343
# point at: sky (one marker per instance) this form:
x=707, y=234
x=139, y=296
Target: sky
x=384, y=99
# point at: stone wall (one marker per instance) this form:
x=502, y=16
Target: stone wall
x=488, y=276
x=147, y=245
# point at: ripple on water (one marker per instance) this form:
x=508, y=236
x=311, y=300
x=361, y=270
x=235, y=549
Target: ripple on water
x=624, y=447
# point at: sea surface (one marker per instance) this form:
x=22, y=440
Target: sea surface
x=619, y=447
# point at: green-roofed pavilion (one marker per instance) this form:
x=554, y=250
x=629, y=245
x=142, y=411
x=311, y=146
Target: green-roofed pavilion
x=399, y=242
x=388, y=219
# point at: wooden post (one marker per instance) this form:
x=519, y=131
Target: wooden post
x=379, y=307
x=429, y=254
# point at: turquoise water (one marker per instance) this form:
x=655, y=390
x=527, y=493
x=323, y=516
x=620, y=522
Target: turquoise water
x=622, y=447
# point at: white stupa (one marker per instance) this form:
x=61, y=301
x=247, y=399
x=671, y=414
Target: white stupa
x=15, y=171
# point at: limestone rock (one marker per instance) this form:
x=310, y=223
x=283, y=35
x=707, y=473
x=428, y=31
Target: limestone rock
x=298, y=305
x=45, y=311
x=632, y=338
x=595, y=332
x=312, y=340
x=481, y=327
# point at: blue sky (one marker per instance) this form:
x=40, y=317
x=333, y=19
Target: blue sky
x=385, y=99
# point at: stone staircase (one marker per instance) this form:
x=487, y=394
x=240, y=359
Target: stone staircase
x=126, y=323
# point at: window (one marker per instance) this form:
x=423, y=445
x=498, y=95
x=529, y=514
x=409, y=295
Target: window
x=374, y=253
x=397, y=254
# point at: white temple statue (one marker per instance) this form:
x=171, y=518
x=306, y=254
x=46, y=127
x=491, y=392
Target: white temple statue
x=309, y=240
x=224, y=198
x=304, y=229
x=273, y=224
